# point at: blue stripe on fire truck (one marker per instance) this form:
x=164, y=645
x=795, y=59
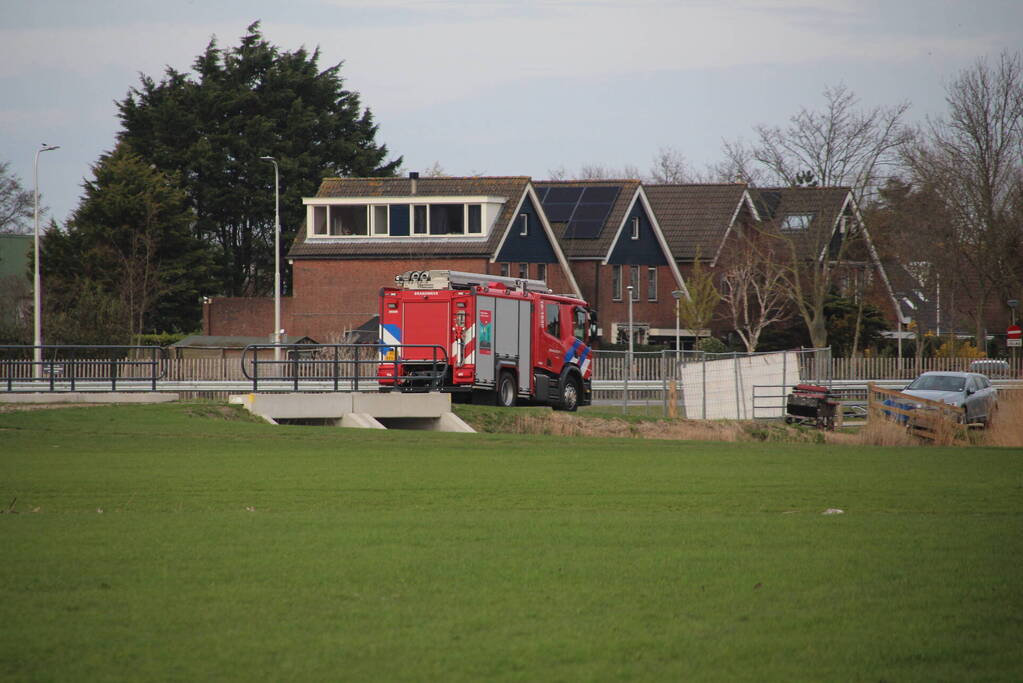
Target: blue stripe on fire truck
x=571, y=352
x=390, y=334
x=577, y=348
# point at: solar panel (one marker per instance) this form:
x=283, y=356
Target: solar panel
x=601, y=195
x=584, y=230
x=564, y=195
x=558, y=213
x=592, y=211
x=541, y=192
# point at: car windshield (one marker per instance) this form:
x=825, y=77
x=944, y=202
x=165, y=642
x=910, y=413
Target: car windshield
x=938, y=383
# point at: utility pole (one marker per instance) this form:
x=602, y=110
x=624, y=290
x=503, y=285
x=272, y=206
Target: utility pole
x=38, y=322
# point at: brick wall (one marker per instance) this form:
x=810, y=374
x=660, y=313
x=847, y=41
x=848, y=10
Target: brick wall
x=244, y=316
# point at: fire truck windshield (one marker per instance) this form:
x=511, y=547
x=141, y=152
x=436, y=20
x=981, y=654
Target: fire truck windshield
x=581, y=318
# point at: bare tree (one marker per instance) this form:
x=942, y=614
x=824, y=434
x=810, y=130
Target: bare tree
x=837, y=145
x=595, y=172
x=435, y=171
x=973, y=159
x=696, y=308
x=670, y=166
x=16, y=205
x=754, y=291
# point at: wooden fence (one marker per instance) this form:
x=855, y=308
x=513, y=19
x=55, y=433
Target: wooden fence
x=932, y=420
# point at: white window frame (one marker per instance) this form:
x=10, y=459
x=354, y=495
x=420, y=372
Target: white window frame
x=523, y=224
x=541, y=271
x=616, y=283
x=489, y=208
x=524, y=267
x=651, y=283
x=634, y=281
x=373, y=210
x=505, y=269
x=635, y=227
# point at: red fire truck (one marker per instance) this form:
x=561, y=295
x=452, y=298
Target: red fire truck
x=506, y=339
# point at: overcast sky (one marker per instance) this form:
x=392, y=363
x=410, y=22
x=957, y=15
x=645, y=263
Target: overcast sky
x=499, y=87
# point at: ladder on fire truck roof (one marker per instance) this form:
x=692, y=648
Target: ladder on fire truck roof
x=455, y=279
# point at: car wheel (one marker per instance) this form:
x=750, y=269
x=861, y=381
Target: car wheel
x=569, y=395
x=506, y=390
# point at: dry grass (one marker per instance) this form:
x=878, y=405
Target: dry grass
x=567, y=424
x=1007, y=426
x=877, y=432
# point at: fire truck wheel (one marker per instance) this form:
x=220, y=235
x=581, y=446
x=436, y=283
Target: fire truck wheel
x=506, y=390
x=569, y=395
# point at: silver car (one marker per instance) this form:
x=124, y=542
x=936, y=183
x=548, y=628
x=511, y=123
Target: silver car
x=970, y=390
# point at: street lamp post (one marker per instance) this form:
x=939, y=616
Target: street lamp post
x=277, y=258
x=678, y=298
x=628, y=359
x=38, y=324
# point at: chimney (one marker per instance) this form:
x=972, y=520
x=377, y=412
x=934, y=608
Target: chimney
x=413, y=176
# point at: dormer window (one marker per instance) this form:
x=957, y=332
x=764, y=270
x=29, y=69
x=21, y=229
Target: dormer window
x=380, y=217
x=796, y=222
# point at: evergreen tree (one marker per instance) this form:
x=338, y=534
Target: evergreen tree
x=244, y=103
x=130, y=243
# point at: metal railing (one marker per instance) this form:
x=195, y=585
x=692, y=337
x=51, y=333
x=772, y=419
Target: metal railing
x=64, y=368
x=345, y=367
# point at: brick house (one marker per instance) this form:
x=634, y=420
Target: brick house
x=611, y=237
x=707, y=222
x=587, y=238
x=361, y=232
x=820, y=221
x=701, y=222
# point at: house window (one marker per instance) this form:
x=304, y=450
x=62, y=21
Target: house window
x=319, y=220
x=634, y=281
x=420, y=216
x=474, y=219
x=349, y=220
x=447, y=219
x=505, y=269
x=541, y=271
x=796, y=222
x=616, y=283
x=523, y=224
x=635, y=228
x=651, y=283
x=524, y=271
x=380, y=219
x=374, y=220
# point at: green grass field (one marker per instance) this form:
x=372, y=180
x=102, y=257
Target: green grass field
x=171, y=543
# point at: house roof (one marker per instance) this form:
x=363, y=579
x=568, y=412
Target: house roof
x=597, y=244
x=510, y=188
x=695, y=218
x=821, y=205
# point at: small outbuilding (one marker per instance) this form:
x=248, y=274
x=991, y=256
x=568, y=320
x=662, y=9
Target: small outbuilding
x=206, y=346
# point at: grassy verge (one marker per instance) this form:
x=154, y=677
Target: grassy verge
x=176, y=542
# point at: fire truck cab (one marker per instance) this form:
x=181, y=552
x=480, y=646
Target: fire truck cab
x=507, y=340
